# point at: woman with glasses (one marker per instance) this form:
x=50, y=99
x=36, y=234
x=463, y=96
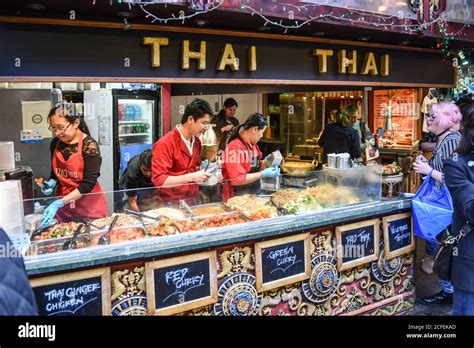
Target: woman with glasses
x=75, y=168
x=444, y=121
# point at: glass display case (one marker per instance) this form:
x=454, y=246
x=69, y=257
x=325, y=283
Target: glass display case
x=314, y=195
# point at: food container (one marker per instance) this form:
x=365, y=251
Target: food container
x=332, y=160
x=298, y=168
x=343, y=161
x=56, y=244
x=210, y=209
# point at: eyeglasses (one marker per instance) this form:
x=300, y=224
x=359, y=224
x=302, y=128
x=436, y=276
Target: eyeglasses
x=430, y=117
x=60, y=130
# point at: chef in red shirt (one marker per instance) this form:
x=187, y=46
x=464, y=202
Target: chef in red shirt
x=176, y=156
x=75, y=168
x=243, y=164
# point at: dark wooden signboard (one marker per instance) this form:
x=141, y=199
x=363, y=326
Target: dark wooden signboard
x=282, y=261
x=357, y=243
x=181, y=283
x=398, y=235
x=78, y=293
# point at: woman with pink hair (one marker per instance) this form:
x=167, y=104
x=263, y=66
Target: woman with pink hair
x=444, y=120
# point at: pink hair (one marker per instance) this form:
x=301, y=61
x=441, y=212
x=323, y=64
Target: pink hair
x=447, y=115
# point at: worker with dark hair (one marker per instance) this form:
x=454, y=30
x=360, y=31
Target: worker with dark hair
x=225, y=122
x=359, y=125
x=136, y=181
x=176, y=156
x=340, y=137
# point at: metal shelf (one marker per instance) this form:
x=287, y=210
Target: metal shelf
x=134, y=135
x=131, y=122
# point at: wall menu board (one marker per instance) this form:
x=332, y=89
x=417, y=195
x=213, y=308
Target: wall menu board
x=181, y=283
x=77, y=293
x=398, y=235
x=357, y=243
x=282, y=261
x=404, y=111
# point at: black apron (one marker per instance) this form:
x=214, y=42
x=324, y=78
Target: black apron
x=254, y=187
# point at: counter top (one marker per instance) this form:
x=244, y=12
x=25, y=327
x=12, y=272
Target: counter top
x=148, y=248
x=398, y=150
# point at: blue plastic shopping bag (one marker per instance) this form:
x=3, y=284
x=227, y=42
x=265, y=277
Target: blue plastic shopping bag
x=432, y=208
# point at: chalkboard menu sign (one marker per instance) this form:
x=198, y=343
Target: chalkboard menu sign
x=181, y=283
x=282, y=261
x=78, y=293
x=398, y=235
x=357, y=243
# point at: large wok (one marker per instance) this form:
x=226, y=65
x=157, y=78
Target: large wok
x=301, y=169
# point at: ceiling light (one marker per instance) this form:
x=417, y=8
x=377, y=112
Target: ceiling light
x=364, y=39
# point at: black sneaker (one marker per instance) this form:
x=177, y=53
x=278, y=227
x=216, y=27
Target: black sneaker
x=441, y=298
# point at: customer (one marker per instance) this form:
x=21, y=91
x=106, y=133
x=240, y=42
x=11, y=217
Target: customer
x=459, y=174
x=225, y=122
x=444, y=121
x=340, y=137
x=16, y=295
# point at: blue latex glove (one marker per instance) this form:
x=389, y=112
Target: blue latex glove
x=48, y=187
x=271, y=172
x=50, y=212
x=204, y=164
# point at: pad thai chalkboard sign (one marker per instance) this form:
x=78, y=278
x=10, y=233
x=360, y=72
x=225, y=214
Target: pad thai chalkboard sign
x=398, y=235
x=77, y=293
x=357, y=243
x=181, y=283
x=282, y=261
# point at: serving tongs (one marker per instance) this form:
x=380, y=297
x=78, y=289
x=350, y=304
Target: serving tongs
x=72, y=243
x=281, y=210
x=40, y=230
x=140, y=216
x=105, y=238
x=185, y=206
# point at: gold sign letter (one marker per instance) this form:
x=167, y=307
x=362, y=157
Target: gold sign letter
x=155, y=42
x=345, y=62
x=200, y=56
x=252, y=58
x=323, y=59
x=228, y=58
x=385, y=68
x=369, y=65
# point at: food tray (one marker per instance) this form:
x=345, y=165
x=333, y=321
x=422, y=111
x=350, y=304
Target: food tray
x=209, y=209
x=53, y=245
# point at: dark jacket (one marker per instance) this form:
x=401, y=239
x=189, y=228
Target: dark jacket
x=221, y=121
x=337, y=139
x=459, y=176
x=16, y=295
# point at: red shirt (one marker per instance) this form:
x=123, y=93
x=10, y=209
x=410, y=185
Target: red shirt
x=171, y=157
x=236, y=166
